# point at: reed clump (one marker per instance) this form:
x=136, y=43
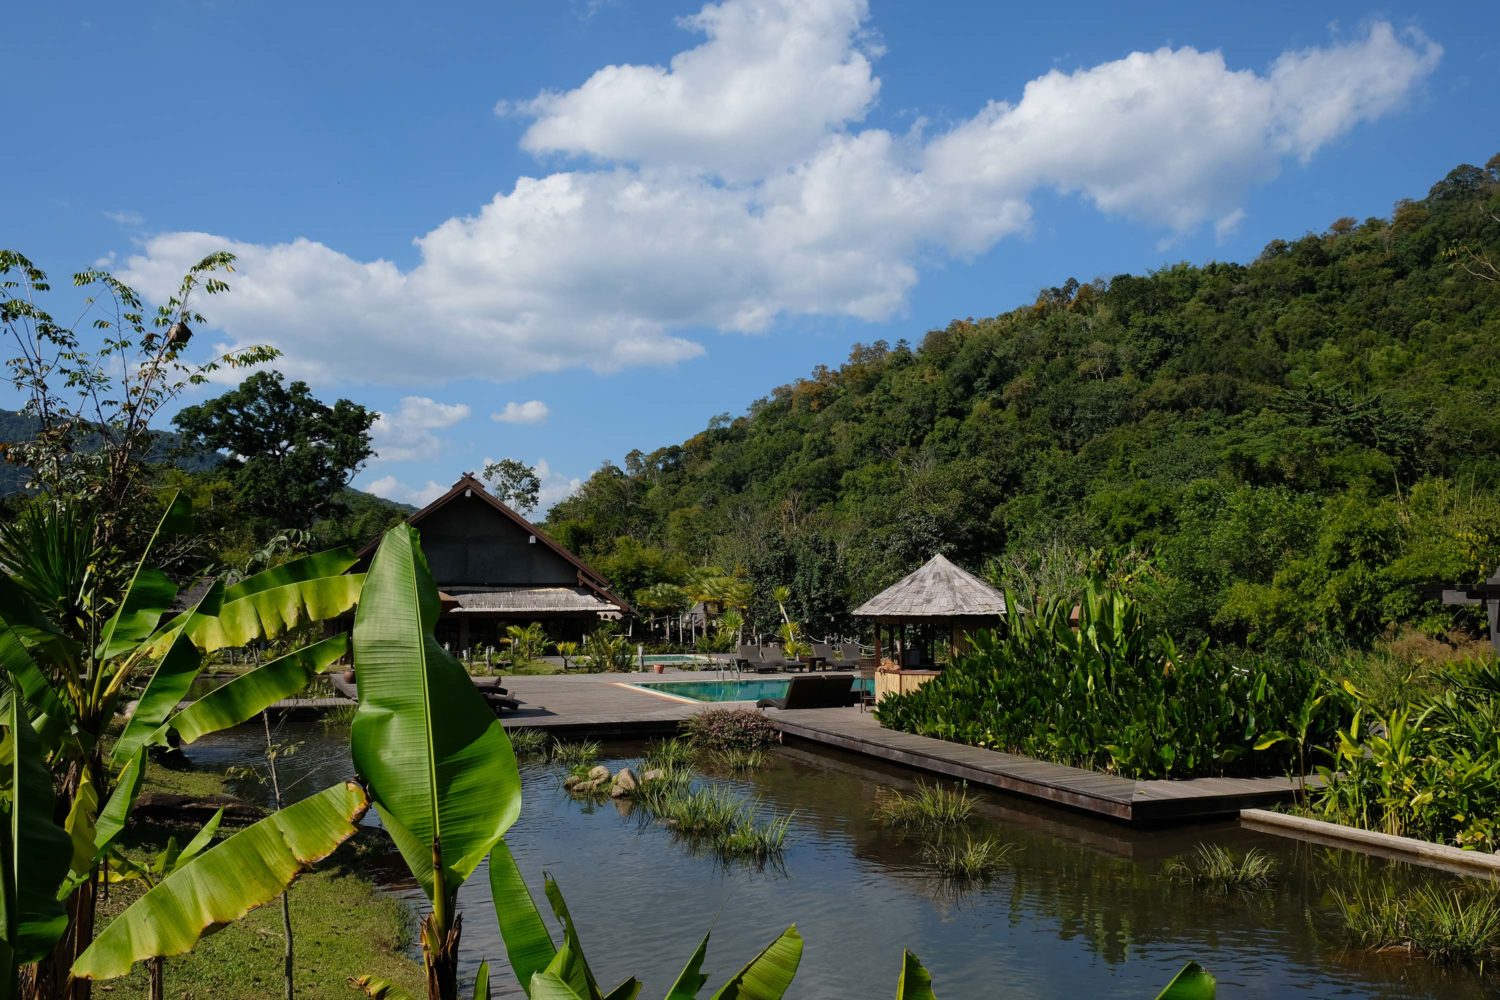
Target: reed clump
x=1218, y=869
x=1449, y=925
x=930, y=807
x=575, y=752
x=527, y=742
x=972, y=860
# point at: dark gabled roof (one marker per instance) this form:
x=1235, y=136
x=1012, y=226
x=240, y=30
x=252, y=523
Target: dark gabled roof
x=938, y=591
x=468, y=485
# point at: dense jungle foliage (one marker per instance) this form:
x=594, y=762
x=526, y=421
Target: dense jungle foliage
x=1290, y=445
x=1116, y=694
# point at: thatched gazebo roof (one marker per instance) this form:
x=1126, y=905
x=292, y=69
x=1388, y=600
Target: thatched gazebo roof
x=939, y=592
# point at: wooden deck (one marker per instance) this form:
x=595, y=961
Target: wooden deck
x=612, y=705
x=1123, y=799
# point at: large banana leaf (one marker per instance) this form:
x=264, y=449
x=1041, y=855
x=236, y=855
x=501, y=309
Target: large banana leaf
x=333, y=562
x=39, y=852
x=225, y=882
x=768, y=975
x=527, y=943
x=550, y=986
x=570, y=963
x=1192, y=983
x=915, y=983
x=691, y=979
x=167, y=687
x=50, y=714
x=379, y=989
x=265, y=614
x=150, y=593
x=439, y=766
x=253, y=692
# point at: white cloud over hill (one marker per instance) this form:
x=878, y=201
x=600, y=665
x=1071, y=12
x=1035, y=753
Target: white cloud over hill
x=735, y=185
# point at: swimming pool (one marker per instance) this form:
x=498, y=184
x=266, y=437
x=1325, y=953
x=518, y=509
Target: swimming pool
x=745, y=690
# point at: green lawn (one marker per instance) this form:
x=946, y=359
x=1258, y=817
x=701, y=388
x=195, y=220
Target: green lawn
x=341, y=925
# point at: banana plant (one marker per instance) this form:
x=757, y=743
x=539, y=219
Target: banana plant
x=77, y=655
x=547, y=970
x=436, y=760
x=36, y=850
x=222, y=884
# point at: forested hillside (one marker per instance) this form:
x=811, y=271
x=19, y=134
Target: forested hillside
x=1286, y=447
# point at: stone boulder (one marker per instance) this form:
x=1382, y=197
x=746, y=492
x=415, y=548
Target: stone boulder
x=625, y=784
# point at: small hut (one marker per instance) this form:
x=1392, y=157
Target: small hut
x=938, y=604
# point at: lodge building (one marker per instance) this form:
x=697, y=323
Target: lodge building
x=493, y=568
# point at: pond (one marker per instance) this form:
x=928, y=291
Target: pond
x=1082, y=910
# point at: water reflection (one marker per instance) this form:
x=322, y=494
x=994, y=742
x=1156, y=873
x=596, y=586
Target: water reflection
x=1082, y=910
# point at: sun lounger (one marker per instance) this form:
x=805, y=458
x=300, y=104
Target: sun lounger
x=821, y=691
x=749, y=657
x=831, y=658
x=773, y=656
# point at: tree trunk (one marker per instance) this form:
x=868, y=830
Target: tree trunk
x=157, y=968
x=287, y=963
x=440, y=955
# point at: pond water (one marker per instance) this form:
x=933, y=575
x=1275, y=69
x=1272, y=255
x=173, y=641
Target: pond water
x=1083, y=909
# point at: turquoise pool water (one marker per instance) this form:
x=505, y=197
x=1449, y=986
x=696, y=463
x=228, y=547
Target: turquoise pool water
x=735, y=690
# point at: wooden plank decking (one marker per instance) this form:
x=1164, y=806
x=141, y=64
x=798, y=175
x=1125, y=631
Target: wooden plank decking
x=1124, y=799
x=605, y=705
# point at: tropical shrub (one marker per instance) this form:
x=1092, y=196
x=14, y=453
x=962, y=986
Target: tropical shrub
x=1428, y=768
x=717, y=730
x=606, y=651
x=1115, y=694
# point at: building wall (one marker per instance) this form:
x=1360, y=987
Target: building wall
x=469, y=543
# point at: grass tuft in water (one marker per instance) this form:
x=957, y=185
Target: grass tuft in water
x=669, y=755
x=757, y=839
x=970, y=860
x=1447, y=925
x=930, y=807
x=339, y=718
x=527, y=742
x=579, y=752
x=1217, y=869
x=738, y=760
x=702, y=812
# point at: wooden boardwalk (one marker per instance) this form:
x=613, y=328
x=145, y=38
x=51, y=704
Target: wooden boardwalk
x=610, y=705
x=1123, y=799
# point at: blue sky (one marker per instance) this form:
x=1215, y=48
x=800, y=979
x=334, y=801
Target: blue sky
x=611, y=220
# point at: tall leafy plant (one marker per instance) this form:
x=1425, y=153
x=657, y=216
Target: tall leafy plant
x=77, y=652
x=439, y=767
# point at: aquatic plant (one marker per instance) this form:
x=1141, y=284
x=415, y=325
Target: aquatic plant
x=930, y=807
x=1457, y=925
x=710, y=811
x=719, y=729
x=575, y=751
x=970, y=860
x=668, y=755
x=528, y=742
x=738, y=760
x=755, y=838
x=340, y=717
x=1218, y=869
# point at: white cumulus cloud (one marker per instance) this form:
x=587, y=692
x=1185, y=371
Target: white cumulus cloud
x=393, y=489
x=533, y=411
x=409, y=432
x=737, y=185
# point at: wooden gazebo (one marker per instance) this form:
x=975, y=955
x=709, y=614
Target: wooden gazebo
x=938, y=602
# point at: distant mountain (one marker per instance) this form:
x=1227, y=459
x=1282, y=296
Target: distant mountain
x=168, y=447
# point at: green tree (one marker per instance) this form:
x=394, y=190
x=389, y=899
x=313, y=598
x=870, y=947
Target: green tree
x=92, y=396
x=515, y=483
x=289, y=454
